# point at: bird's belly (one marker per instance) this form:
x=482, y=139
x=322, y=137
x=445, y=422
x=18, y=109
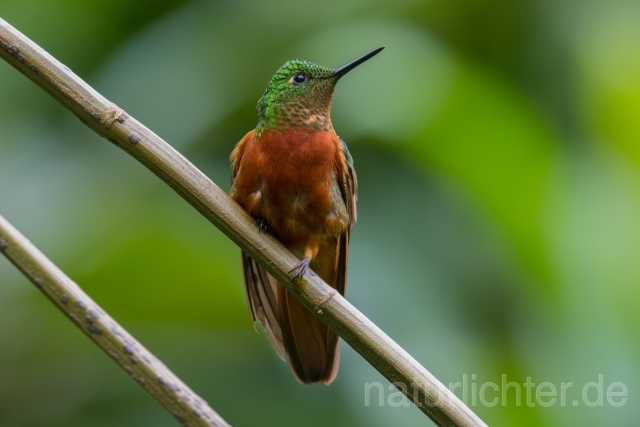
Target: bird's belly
x=296, y=205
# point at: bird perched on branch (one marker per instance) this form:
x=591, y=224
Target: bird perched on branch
x=295, y=176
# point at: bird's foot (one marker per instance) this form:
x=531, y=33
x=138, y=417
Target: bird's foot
x=300, y=269
x=263, y=225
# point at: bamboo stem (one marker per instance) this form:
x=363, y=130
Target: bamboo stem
x=187, y=407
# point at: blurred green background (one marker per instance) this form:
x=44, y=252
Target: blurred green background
x=497, y=149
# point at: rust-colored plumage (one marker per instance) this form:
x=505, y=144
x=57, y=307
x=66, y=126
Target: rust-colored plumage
x=295, y=176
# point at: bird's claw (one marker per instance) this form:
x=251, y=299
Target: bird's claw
x=262, y=224
x=300, y=269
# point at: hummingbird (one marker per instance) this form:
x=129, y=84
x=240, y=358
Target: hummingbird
x=295, y=177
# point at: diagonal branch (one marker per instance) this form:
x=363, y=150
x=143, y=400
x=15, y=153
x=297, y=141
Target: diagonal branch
x=113, y=339
x=112, y=123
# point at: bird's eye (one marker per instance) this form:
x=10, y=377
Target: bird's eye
x=299, y=78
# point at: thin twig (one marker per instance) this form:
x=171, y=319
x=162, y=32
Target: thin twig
x=190, y=409
x=111, y=122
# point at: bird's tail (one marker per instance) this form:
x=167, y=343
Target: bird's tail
x=312, y=348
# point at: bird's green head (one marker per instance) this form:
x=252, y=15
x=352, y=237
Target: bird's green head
x=300, y=93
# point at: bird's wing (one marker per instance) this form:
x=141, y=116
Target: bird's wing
x=260, y=287
x=237, y=153
x=261, y=290
x=349, y=185
x=348, y=182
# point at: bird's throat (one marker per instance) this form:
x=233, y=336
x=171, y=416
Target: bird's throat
x=294, y=117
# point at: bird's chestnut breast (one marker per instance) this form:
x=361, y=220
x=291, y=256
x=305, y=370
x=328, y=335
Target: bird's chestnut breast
x=286, y=178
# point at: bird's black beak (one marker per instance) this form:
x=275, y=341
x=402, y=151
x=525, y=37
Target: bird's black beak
x=353, y=64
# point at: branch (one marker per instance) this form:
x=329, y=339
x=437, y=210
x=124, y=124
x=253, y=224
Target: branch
x=190, y=409
x=112, y=123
